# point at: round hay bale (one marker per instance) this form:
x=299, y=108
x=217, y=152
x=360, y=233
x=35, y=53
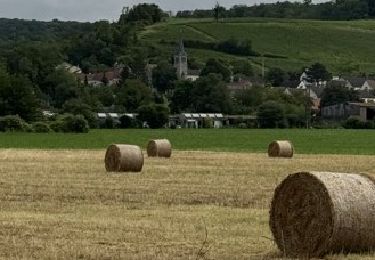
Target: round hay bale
x=316, y=213
x=280, y=149
x=124, y=158
x=159, y=148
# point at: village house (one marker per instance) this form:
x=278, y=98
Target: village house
x=356, y=83
x=108, y=78
x=69, y=68
x=237, y=87
x=306, y=82
x=337, y=81
x=368, y=85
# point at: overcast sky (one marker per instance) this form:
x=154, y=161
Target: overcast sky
x=93, y=10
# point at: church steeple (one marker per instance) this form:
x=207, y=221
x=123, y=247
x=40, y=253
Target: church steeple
x=181, y=49
x=180, y=60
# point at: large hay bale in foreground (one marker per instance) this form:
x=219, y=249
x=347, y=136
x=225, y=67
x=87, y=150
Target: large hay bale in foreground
x=281, y=149
x=315, y=213
x=159, y=148
x=124, y=158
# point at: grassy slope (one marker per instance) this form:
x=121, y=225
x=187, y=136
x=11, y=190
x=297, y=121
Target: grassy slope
x=336, y=44
x=232, y=140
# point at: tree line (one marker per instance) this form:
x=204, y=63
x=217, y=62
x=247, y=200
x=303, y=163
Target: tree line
x=32, y=82
x=330, y=10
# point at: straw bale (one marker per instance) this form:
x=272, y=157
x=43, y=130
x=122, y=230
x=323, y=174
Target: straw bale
x=281, y=149
x=159, y=148
x=124, y=158
x=316, y=213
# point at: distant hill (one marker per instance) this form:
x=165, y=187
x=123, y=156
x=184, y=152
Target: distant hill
x=344, y=47
x=31, y=30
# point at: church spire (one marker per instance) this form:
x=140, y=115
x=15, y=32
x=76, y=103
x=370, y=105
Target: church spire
x=181, y=49
x=180, y=60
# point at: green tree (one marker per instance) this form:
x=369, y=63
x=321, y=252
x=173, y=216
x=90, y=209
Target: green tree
x=271, y=115
x=78, y=107
x=142, y=13
x=104, y=95
x=217, y=67
x=75, y=123
x=183, y=97
x=137, y=63
x=276, y=77
x=127, y=122
x=17, y=97
x=371, y=7
x=217, y=12
x=133, y=94
x=243, y=67
x=252, y=97
x=210, y=94
x=156, y=116
x=60, y=86
x=350, y=9
x=164, y=76
x=337, y=95
x=318, y=72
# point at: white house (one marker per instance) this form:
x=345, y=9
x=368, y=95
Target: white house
x=69, y=68
x=368, y=85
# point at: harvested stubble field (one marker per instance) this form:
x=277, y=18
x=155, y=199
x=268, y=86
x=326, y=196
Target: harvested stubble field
x=61, y=204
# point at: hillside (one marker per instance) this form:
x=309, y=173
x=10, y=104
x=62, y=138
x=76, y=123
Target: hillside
x=345, y=47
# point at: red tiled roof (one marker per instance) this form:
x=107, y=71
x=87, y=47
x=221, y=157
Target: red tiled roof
x=239, y=85
x=110, y=75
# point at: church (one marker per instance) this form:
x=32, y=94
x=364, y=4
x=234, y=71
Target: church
x=180, y=62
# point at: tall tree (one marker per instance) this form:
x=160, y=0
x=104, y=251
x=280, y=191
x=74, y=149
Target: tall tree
x=211, y=95
x=271, y=115
x=183, y=99
x=217, y=67
x=133, y=94
x=60, y=86
x=17, y=97
x=217, y=12
x=156, y=116
x=337, y=95
x=318, y=72
x=371, y=7
x=142, y=13
x=163, y=76
x=276, y=77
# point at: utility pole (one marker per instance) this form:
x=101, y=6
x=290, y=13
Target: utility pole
x=217, y=12
x=308, y=107
x=263, y=69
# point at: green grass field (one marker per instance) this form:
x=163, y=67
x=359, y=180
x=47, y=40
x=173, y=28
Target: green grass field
x=338, y=45
x=222, y=140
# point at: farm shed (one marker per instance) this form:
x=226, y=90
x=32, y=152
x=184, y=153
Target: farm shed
x=367, y=112
x=115, y=116
x=195, y=120
x=363, y=111
x=340, y=111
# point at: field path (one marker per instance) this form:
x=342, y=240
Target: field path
x=203, y=33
